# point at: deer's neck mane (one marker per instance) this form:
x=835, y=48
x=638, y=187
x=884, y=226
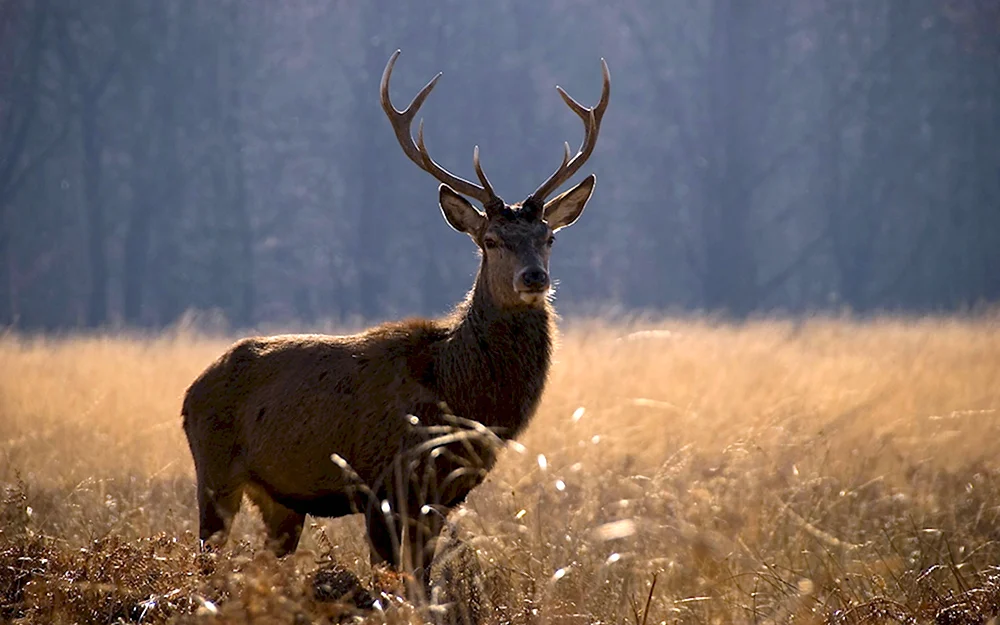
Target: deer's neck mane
x=494, y=362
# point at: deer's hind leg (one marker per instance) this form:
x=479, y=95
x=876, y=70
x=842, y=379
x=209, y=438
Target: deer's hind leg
x=219, y=479
x=284, y=525
x=216, y=510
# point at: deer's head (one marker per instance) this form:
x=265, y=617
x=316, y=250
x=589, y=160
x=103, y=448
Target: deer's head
x=515, y=239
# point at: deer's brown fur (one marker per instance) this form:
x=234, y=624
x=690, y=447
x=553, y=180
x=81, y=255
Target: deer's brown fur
x=333, y=425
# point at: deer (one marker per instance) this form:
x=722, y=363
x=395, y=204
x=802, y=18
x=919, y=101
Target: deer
x=401, y=421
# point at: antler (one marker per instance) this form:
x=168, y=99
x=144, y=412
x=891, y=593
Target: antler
x=417, y=152
x=592, y=125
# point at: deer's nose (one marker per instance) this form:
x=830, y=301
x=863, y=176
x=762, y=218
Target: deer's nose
x=533, y=279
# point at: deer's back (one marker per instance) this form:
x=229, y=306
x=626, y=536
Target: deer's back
x=284, y=404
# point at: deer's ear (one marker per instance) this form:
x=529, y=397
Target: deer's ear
x=564, y=209
x=459, y=213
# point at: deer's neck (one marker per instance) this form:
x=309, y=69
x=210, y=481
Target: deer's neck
x=495, y=361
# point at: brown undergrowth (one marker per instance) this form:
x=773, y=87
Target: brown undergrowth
x=825, y=471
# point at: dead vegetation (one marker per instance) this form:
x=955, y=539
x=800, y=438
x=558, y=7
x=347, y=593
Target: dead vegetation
x=817, y=472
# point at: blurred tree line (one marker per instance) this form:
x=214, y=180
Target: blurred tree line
x=791, y=155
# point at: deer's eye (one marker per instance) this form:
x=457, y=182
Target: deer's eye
x=551, y=240
x=491, y=243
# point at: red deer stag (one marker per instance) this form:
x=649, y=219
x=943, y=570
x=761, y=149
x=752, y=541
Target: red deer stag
x=334, y=425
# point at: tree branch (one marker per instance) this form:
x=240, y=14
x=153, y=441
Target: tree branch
x=886, y=53
x=688, y=140
x=101, y=83
x=782, y=276
x=19, y=136
x=7, y=192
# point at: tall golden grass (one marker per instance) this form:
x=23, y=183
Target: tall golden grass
x=683, y=471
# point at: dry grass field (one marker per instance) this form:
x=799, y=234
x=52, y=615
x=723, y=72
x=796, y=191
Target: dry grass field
x=775, y=472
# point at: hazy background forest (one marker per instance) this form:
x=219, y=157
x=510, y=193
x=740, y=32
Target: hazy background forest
x=788, y=155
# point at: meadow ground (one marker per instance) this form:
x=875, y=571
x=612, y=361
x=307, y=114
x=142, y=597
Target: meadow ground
x=775, y=472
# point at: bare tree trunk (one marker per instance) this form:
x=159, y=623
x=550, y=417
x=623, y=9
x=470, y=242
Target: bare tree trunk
x=140, y=220
x=233, y=261
x=8, y=305
x=89, y=91
x=988, y=164
x=730, y=269
x=137, y=240
x=18, y=120
x=856, y=226
x=371, y=150
x=236, y=175
x=97, y=304
x=166, y=299
x=165, y=272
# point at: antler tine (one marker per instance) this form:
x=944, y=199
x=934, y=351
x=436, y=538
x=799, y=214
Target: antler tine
x=417, y=152
x=591, y=118
x=480, y=173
